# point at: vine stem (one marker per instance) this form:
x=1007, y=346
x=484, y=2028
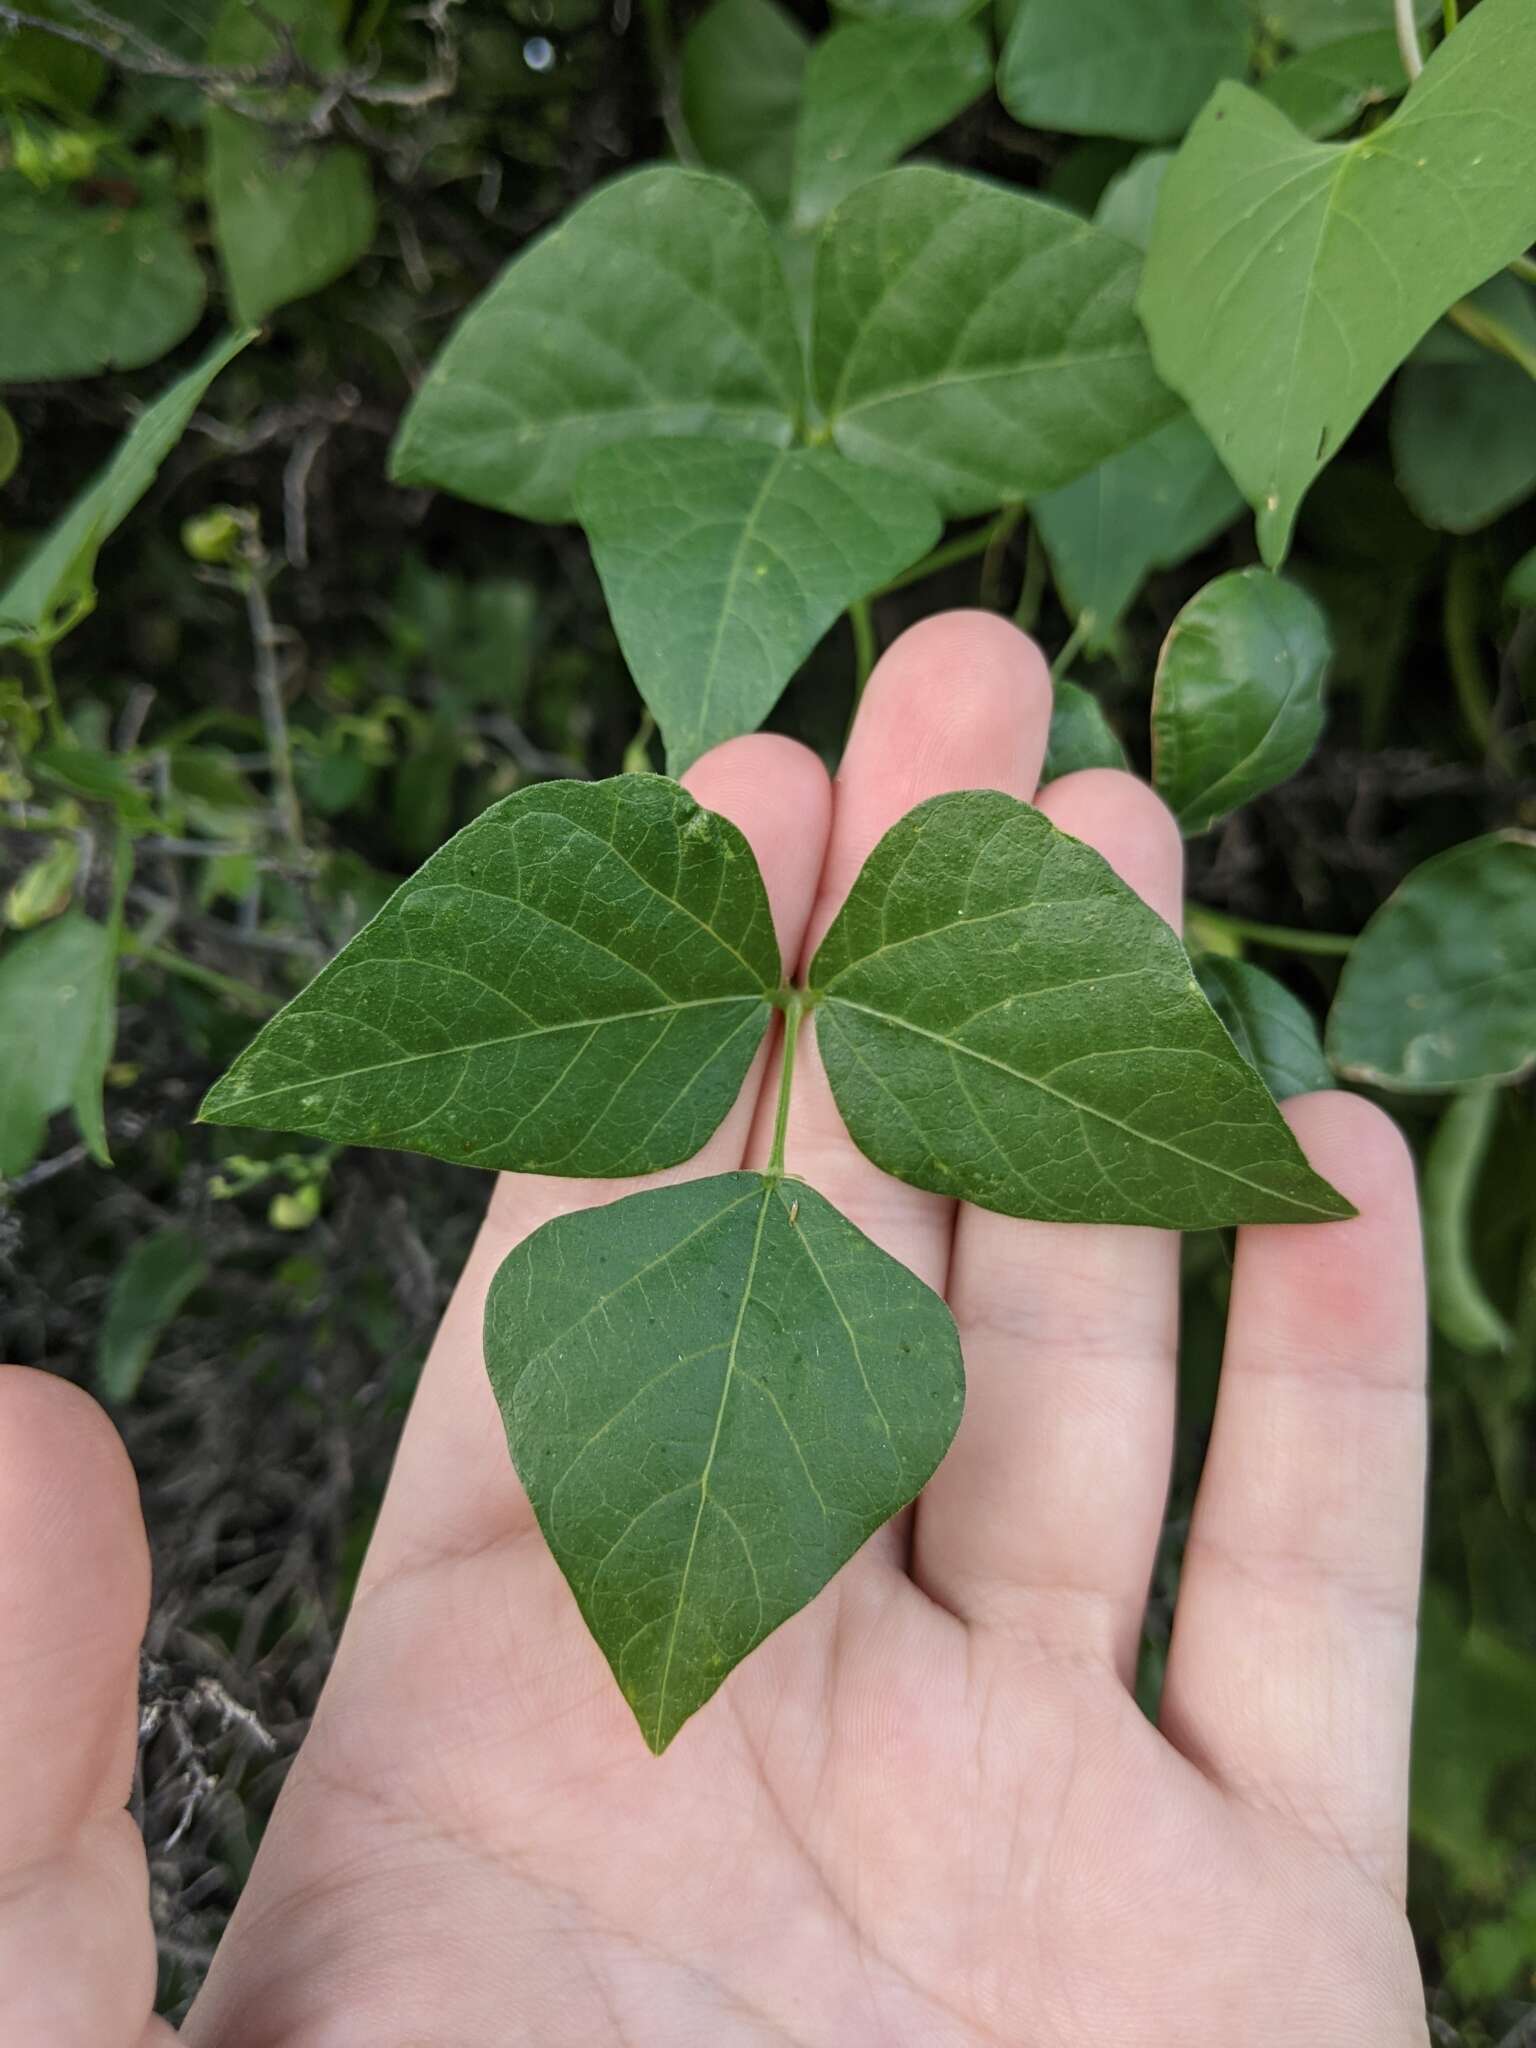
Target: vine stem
x=1279, y=938
x=1408, y=39
x=1075, y=642
x=274, y=717
x=243, y=993
x=1452, y=15
x=795, y=1006
x=41, y=658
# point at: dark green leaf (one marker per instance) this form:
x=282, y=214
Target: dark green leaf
x=86, y=287
x=55, y=984
x=979, y=340
x=657, y=307
x=1326, y=90
x=743, y=67
x=576, y=983
x=1100, y=67
x=288, y=218
x=1238, y=702
x=1464, y=420
x=724, y=563
x=1271, y=1029
x=1520, y=589
x=1081, y=736
x=1003, y=1019
x=874, y=90
x=1149, y=507
x=147, y=1292
x=714, y=1395
x=1474, y=1707
x=1440, y=990
x=1289, y=278
x=55, y=585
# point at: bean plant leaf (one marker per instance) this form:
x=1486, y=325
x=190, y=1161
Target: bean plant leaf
x=714, y=1393
x=1308, y=24
x=1326, y=90
x=1081, y=736
x=56, y=984
x=86, y=287
x=1002, y=1019
x=1288, y=278
x=656, y=308
x=724, y=563
x=1440, y=989
x=1238, y=702
x=147, y=1292
x=288, y=218
x=976, y=339
x=54, y=587
x=874, y=90
x=1464, y=420
x=576, y=983
x=743, y=70
x=1272, y=1029
x=1128, y=204
x=1100, y=67
x=1149, y=507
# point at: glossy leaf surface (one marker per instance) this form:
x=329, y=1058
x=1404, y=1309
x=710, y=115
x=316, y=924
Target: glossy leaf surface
x=1440, y=990
x=1288, y=278
x=874, y=90
x=1272, y=1029
x=1003, y=1019
x=714, y=1394
x=657, y=307
x=725, y=562
x=576, y=983
x=1100, y=67
x=977, y=340
x=54, y=586
x=1238, y=702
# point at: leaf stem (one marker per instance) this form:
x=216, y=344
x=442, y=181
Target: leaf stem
x=1279, y=938
x=1493, y=334
x=1452, y=15
x=1027, y=612
x=41, y=658
x=243, y=993
x=861, y=619
x=1075, y=642
x=1004, y=526
x=1524, y=269
x=945, y=556
x=794, y=1011
x=1408, y=39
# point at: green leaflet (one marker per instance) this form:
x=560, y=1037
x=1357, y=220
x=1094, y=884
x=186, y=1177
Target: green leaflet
x=86, y=287
x=874, y=90
x=978, y=340
x=1102, y=67
x=56, y=1017
x=576, y=983
x=656, y=308
x=1081, y=736
x=147, y=1292
x=1440, y=989
x=1271, y=1029
x=724, y=563
x=1326, y=90
x=714, y=1394
x=287, y=219
x=1288, y=278
x=1147, y=508
x=1464, y=420
x=1310, y=23
x=54, y=588
x=1001, y=1018
x=742, y=72
x=1238, y=702
x=1128, y=204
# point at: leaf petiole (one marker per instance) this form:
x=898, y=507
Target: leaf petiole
x=795, y=1008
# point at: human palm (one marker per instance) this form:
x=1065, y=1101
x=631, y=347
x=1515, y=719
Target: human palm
x=927, y=1813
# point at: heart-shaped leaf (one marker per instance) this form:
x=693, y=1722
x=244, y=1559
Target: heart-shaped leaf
x=1102, y=67
x=657, y=307
x=1288, y=278
x=978, y=340
x=1002, y=1019
x=874, y=90
x=714, y=1394
x=1440, y=989
x=1238, y=702
x=1081, y=736
x=742, y=73
x=576, y=983
x=1272, y=1029
x=54, y=587
x=86, y=288
x=724, y=563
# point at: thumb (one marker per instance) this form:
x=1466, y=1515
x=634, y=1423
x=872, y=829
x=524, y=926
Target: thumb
x=77, y=1958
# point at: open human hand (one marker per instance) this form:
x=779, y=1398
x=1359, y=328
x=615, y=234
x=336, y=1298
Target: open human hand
x=928, y=1812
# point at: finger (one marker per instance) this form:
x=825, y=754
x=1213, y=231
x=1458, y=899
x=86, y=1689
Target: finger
x=452, y=1488
x=1290, y=1675
x=1044, y=1519
x=960, y=702
x=77, y=1953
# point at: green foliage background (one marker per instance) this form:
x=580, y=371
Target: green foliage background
x=291, y=680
